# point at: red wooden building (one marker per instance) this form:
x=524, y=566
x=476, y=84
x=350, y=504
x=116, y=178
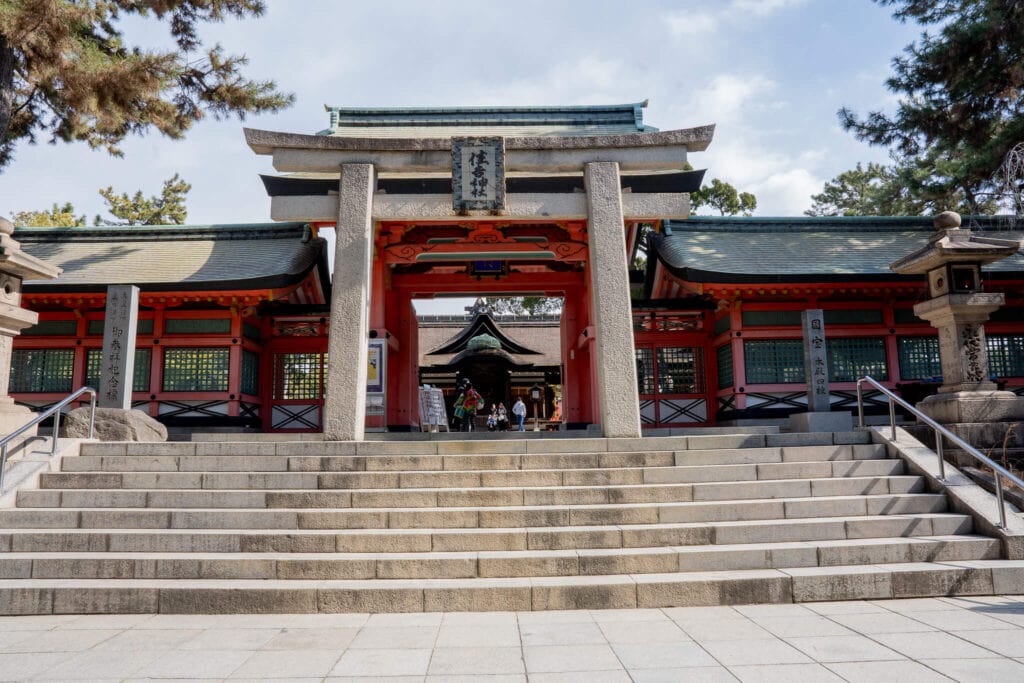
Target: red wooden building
x=729, y=348
x=233, y=320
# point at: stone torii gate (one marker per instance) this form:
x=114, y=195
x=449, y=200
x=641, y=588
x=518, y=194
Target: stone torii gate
x=358, y=207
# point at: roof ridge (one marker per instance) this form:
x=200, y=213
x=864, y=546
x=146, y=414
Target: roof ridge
x=150, y=232
x=835, y=223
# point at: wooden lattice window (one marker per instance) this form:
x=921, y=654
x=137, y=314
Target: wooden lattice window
x=851, y=358
x=42, y=370
x=774, y=361
x=919, y=358
x=196, y=369
x=140, y=375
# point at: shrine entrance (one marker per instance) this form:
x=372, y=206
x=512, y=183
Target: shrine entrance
x=487, y=259
x=505, y=357
x=542, y=201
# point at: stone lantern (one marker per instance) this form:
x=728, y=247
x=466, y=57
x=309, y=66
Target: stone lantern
x=15, y=266
x=958, y=308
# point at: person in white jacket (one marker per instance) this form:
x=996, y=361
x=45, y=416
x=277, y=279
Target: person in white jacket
x=519, y=410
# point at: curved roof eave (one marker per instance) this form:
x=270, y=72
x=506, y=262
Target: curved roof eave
x=265, y=142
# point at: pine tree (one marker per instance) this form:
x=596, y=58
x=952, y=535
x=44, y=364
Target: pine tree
x=168, y=208
x=67, y=72
x=724, y=198
x=960, y=99
x=55, y=217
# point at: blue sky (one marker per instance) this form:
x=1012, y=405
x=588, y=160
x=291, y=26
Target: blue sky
x=770, y=73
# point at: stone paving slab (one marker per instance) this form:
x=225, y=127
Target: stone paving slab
x=931, y=639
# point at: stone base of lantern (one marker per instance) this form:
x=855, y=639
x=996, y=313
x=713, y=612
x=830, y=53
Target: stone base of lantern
x=821, y=422
x=13, y=416
x=997, y=440
x=973, y=407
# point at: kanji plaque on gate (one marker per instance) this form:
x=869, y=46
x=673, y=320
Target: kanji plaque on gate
x=478, y=174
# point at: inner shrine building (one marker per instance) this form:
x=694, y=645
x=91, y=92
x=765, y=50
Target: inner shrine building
x=667, y=320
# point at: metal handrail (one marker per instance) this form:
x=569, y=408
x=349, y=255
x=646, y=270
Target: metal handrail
x=940, y=433
x=55, y=411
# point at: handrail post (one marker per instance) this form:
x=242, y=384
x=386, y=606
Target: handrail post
x=3, y=464
x=860, y=404
x=999, y=500
x=892, y=417
x=939, y=445
x=92, y=415
x=56, y=432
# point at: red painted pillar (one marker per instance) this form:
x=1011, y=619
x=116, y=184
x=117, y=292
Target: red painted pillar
x=584, y=345
x=403, y=361
x=577, y=378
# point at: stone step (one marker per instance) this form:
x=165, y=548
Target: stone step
x=454, y=540
x=76, y=477
x=225, y=462
x=51, y=497
x=800, y=584
x=476, y=446
x=493, y=564
x=469, y=517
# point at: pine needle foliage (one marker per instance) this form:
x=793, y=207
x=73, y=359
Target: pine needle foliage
x=69, y=74
x=960, y=106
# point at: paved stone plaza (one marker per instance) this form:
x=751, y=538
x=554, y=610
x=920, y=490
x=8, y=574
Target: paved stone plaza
x=934, y=639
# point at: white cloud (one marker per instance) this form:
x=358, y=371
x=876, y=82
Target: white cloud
x=586, y=79
x=762, y=7
x=683, y=23
x=686, y=22
x=728, y=97
x=786, y=193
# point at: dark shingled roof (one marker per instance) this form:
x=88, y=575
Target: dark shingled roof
x=805, y=249
x=610, y=119
x=176, y=257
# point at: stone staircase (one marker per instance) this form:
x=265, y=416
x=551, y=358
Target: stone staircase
x=510, y=524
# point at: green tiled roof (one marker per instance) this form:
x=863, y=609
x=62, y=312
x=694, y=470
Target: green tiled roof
x=166, y=257
x=445, y=122
x=741, y=249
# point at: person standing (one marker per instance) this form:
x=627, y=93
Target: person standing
x=519, y=410
x=502, y=418
x=467, y=404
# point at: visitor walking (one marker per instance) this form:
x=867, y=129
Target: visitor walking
x=519, y=410
x=466, y=405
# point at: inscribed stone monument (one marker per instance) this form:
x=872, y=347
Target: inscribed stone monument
x=818, y=418
x=117, y=362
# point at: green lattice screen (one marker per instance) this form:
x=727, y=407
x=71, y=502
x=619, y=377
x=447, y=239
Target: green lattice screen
x=197, y=326
x=196, y=369
x=1005, y=355
x=725, y=373
x=905, y=316
x=645, y=370
x=51, y=328
x=250, y=373
x=681, y=370
x=774, y=361
x=145, y=326
x=299, y=376
x=919, y=357
x=857, y=316
x=770, y=318
x=852, y=358
x=722, y=324
x=140, y=375
x=42, y=370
